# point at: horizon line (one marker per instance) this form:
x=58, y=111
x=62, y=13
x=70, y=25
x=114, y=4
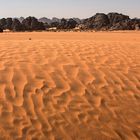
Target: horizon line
x=38, y=17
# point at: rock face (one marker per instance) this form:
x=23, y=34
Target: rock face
x=54, y=19
x=111, y=21
x=32, y=24
x=17, y=26
x=45, y=20
x=21, y=19
x=62, y=24
x=119, y=22
x=49, y=21
x=97, y=22
x=67, y=24
x=135, y=24
x=6, y=23
x=9, y=23
x=116, y=17
x=1, y=30
x=54, y=24
x=3, y=23
x=71, y=23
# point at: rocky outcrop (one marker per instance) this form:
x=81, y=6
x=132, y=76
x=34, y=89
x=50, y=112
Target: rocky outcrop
x=71, y=23
x=1, y=30
x=32, y=24
x=116, y=17
x=54, y=24
x=100, y=21
x=111, y=21
x=67, y=24
x=6, y=23
x=45, y=20
x=17, y=26
x=97, y=22
x=135, y=24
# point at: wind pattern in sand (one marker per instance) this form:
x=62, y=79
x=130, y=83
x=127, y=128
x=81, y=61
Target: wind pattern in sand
x=70, y=86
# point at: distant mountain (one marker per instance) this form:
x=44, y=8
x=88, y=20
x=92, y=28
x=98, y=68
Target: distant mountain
x=45, y=20
x=77, y=20
x=21, y=19
x=49, y=21
x=54, y=19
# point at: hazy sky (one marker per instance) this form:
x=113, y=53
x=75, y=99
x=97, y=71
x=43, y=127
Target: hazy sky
x=67, y=8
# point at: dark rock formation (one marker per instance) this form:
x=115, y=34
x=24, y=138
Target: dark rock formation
x=54, y=19
x=9, y=23
x=116, y=17
x=17, y=26
x=21, y=19
x=79, y=21
x=67, y=24
x=71, y=23
x=100, y=21
x=54, y=24
x=45, y=20
x=1, y=30
x=135, y=24
x=32, y=24
x=97, y=22
x=3, y=23
x=6, y=23
x=111, y=21
x=62, y=24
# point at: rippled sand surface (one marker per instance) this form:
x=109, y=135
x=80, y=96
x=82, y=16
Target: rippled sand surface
x=70, y=86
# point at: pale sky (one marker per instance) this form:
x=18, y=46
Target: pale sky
x=67, y=8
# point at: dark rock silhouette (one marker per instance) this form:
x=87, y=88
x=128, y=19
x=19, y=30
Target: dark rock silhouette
x=3, y=23
x=111, y=21
x=17, y=26
x=6, y=23
x=67, y=24
x=62, y=24
x=97, y=22
x=1, y=30
x=32, y=24
x=71, y=23
x=116, y=17
x=9, y=23
x=100, y=21
x=135, y=24
x=54, y=19
x=20, y=19
x=45, y=20
x=54, y=24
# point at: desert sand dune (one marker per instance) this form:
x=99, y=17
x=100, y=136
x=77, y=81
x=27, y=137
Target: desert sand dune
x=70, y=86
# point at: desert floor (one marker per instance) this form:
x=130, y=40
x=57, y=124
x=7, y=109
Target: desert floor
x=70, y=86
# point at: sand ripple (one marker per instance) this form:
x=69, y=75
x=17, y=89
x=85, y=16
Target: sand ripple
x=70, y=88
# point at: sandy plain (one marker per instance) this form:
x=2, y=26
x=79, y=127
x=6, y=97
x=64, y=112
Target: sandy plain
x=70, y=86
